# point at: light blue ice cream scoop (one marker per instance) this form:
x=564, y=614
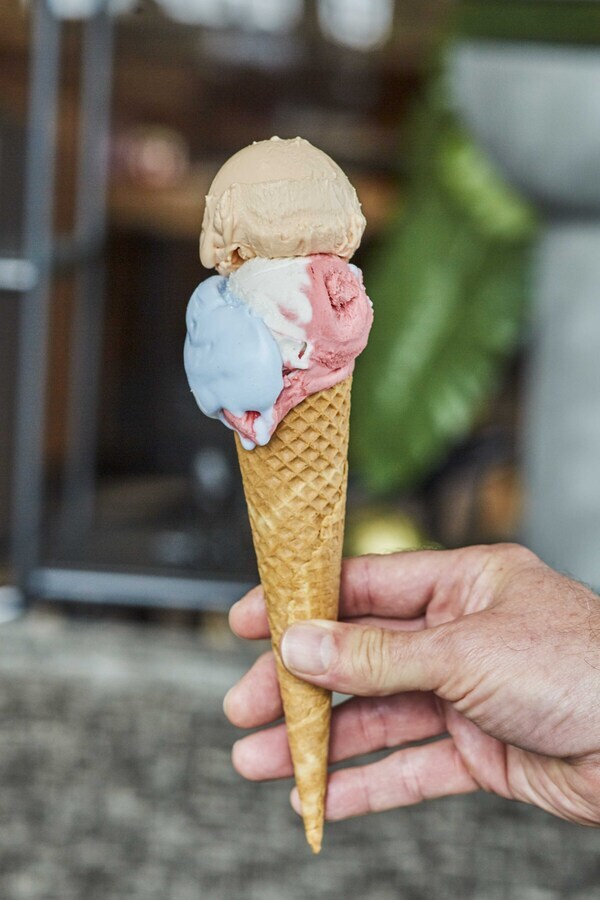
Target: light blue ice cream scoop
x=231, y=359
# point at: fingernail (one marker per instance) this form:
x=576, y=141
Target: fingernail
x=226, y=700
x=307, y=649
x=295, y=801
x=234, y=606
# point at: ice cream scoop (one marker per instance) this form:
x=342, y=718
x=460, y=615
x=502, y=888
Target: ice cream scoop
x=272, y=333
x=232, y=361
x=277, y=199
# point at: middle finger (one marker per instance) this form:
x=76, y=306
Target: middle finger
x=360, y=725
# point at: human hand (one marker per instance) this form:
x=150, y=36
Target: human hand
x=485, y=648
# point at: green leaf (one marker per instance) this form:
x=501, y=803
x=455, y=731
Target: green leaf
x=448, y=286
x=465, y=172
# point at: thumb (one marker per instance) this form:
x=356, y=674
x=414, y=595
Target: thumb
x=367, y=661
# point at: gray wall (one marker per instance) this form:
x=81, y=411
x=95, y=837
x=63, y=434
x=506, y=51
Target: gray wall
x=536, y=110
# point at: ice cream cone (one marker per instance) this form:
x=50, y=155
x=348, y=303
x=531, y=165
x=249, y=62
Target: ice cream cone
x=295, y=488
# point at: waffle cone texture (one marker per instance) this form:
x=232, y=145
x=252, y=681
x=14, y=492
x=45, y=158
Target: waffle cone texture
x=295, y=488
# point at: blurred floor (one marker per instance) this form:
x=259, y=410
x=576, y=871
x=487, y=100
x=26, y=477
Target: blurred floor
x=116, y=783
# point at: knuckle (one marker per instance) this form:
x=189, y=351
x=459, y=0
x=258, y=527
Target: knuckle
x=510, y=555
x=493, y=566
x=502, y=552
x=373, y=657
x=459, y=650
x=411, y=779
x=442, y=640
x=365, y=790
x=518, y=553
x=509, y=562
x=373, y=723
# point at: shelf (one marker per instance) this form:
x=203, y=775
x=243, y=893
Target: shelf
x=176, y=212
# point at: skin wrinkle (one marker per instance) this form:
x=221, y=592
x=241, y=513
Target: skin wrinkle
x=367, y=586
x=438, y=647
x=460, y=767
x=410, y=777
x=562, y=720
x=588, y=602
x=405, y=652
x=463, y=701
x=505, y=750
x=496, y=562
x=426, y=601
x=587, y=773
x=442, y=640
x=500, y=726
x=474, y=702
x=595, y=663
x=372, y=650
x=463, y=593
x=592, y=654
x=550, y=787
x=439, y=604
x=388, y=624
x=364, y=788
x=363, y=588
x=470, y=600
x=373, y=723
x=474, y=746
x=391, y=716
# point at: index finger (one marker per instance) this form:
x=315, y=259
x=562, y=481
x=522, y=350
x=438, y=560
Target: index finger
x=398, y=585
x=395, y=585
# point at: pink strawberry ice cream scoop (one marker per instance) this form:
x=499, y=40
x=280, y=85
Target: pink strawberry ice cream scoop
x=318, y=312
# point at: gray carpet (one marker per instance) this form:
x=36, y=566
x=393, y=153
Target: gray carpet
x=115, y=784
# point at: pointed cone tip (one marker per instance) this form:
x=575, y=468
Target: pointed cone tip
x=314, y=837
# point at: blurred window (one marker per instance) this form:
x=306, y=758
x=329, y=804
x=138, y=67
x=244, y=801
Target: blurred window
x=75, y=9
x=360, y=24
x=248, y=15
x=251, y=15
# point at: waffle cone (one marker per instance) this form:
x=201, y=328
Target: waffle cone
x=295, y=488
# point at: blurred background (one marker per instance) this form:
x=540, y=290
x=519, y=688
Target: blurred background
x=471, y=131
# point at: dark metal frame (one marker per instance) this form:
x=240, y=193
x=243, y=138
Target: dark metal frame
x=31, y=276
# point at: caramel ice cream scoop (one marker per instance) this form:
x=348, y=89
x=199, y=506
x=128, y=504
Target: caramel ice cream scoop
x=275, y=199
